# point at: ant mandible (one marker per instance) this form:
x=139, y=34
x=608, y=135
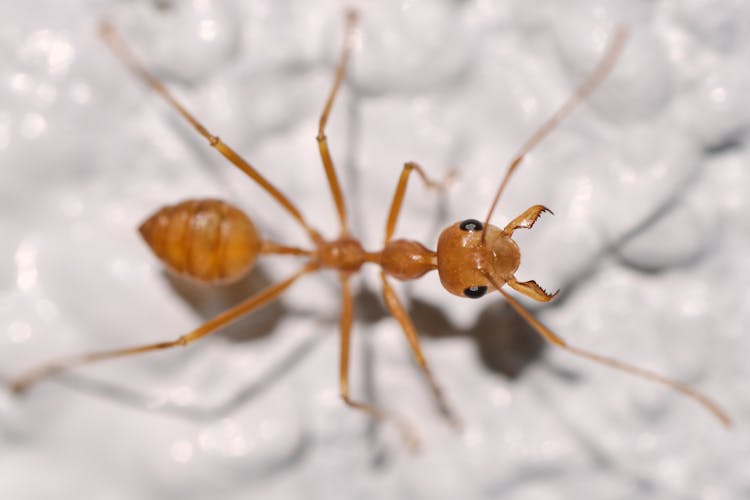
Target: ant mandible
x=214, y=242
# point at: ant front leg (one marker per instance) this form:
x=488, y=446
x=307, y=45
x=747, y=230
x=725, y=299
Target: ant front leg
x=398, y=196
x=398, y=312
x=347, y=313
x=392, y=301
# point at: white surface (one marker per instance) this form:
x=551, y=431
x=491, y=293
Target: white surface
x=649, y=182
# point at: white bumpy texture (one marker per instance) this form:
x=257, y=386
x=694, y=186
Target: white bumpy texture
x=649, y=181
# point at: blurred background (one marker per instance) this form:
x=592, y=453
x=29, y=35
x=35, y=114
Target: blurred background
x=648, y=179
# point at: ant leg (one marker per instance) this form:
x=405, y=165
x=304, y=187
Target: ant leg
x=398, y=196
x=398, y=312
x=526, y=220
x=325, y=155
x=531, y=289
x=551, y=337
x=408, y=434
x=123, y=52
x=593, y=80
x=24, y=381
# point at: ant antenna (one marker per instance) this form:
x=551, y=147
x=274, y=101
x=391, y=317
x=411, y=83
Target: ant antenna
x=584, y=91
x=554, y=339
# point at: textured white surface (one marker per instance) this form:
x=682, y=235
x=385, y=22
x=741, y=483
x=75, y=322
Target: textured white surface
x=649, y=182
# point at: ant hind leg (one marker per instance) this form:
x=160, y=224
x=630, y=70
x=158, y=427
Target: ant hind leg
x=35, y=375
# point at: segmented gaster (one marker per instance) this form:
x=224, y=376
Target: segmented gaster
x=209, y=240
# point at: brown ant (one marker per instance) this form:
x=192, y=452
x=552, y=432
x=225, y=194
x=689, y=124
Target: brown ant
x=213, y=242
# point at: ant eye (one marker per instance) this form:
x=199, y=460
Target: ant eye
x=471, y=225
x=474, y=292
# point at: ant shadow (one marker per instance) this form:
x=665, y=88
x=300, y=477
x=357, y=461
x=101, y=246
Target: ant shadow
x=506, y=344
x=207, y=302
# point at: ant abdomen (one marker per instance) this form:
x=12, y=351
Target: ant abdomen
x=208, y=240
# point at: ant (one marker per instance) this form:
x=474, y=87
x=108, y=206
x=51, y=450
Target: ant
x=212, y=242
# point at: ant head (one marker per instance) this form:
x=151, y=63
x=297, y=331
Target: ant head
x=467, y=253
